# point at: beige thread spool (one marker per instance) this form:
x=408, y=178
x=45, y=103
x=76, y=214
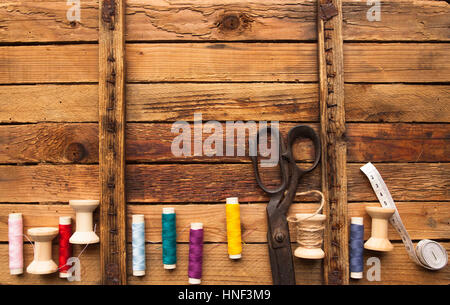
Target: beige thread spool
x=378, y=240
x=84, y=233
x=310, y=228
x=42, y=262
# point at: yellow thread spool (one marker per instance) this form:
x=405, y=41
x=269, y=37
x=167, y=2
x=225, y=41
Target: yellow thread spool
x=234, y=228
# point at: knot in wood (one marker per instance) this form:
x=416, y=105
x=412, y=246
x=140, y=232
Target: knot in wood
x=231, y=22
x=75, y=152
x=279, y=237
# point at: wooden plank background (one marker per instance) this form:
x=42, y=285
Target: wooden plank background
x=231, y=60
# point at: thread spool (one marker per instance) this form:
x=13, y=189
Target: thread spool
x=379, y=239
x=138, y=241
x=310, y=228
x=42, y=262
x=169, y=238
x=195, y=253
x=233, y=228
x=84, y=233
x=65, y=248
x=356, y=247
x=309, y=236
x=15, y=238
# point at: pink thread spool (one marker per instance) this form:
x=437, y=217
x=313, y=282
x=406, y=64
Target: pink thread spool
x=15, y=237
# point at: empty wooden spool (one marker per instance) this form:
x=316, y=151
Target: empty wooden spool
x=84, y=233
x=42, y=262
x=379, y=240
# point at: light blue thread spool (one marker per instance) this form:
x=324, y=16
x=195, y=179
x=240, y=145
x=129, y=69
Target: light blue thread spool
x=138, y=240
x=169, y=238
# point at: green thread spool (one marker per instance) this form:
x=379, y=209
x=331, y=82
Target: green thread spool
x=169, y=238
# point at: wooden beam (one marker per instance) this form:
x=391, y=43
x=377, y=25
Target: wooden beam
x=334, y=148
x=112, y=142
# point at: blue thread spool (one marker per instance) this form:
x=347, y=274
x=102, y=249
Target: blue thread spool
x=356, y=248
x=169, y=238
x=138, y=240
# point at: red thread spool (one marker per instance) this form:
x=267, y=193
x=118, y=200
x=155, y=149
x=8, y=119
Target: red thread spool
x=65, y=248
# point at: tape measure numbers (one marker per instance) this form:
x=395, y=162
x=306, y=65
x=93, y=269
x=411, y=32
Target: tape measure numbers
x=428, y=253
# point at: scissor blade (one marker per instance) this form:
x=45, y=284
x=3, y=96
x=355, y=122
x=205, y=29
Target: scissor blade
x=280, y=255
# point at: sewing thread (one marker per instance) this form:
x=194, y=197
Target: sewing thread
x=356, y=247
x=169, y=238
x=195, y=253
x=15, y=232
x=138, y=243
x=309, y=231
x=233, y=228
x=65, y=248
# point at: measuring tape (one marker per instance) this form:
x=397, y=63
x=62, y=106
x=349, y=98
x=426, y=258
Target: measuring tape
x=428, y=253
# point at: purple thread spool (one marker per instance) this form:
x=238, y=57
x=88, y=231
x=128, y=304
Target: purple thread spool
x=195, y=253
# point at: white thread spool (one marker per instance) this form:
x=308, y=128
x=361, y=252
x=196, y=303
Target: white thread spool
x=379, y=241
x=314, y=221
x=42, y=262
x=195, y=226
x=84, y=233
x=138, y=219
x=169, y=211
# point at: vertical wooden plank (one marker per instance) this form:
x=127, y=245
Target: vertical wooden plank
x=332, y=120
x=112, y=142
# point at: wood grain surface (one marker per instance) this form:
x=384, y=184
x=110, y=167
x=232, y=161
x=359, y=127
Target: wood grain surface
x=152, y=142
x=111, y=141
x=333, y=143
x=173, y=102
x=210, y=182
x=230, y=60
x=225, y=62
x=46, y=21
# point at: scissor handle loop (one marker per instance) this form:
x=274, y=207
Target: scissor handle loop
x=281, y=161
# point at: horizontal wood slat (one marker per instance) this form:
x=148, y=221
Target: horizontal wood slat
x=172, y=102
x=226, y=62
x=253, y=268
x=46, y=21
x=210, y=182
x=422, y=219
x=397, y=103
x=78, y=143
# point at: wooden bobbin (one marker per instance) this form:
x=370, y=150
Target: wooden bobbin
x=42, y=262
x=379, y=240
x=308, y=252
x=84, y=222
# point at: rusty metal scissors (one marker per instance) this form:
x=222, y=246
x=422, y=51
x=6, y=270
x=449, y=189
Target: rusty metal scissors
x=281, y=198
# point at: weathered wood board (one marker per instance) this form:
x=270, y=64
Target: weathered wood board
x=230, y=60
